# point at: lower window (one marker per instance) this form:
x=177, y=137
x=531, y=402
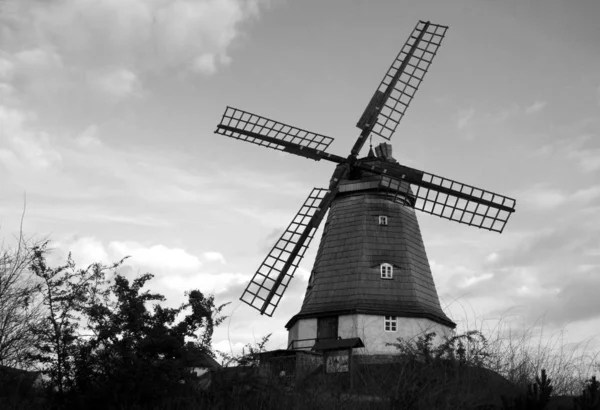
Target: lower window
x=390, y=323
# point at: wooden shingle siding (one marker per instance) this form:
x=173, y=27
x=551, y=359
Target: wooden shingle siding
x=346, y=275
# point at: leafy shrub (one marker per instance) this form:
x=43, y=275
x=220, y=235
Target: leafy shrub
x=536, y=397
x=590, y=396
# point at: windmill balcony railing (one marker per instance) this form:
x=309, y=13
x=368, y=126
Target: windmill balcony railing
x=307, y=344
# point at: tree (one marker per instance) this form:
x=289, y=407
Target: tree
x=141, y=356
x=67, y=293
x=102, y=343
x=20, y=307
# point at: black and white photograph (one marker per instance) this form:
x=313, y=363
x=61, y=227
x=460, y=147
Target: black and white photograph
x=302, y=204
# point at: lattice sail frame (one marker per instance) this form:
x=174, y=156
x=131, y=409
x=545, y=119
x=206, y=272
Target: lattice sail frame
x=243, y=120
x=262, y=283
x=409, y=80
x=446, y=205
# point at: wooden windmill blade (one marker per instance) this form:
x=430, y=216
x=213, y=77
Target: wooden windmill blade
x=273, y=276
x=449, y=199
x=402, y=80
x=265, y=132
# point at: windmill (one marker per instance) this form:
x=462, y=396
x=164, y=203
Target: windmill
x=371, y=266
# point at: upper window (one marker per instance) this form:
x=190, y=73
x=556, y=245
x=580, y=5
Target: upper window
x=382, y=220
x=390, y=323
x=387, y=271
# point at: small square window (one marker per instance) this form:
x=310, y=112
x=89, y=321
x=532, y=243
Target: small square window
x=390, y=323
x=383, y=220
x=387, y=271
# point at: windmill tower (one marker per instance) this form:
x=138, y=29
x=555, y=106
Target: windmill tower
x=371, y=278
x=371, y=281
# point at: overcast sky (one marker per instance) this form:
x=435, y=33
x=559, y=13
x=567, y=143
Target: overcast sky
x=108, y=107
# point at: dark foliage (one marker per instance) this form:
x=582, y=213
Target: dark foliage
x=469, y=348
x=536, y=397
x=590, y=396
x=67, y=292
x=249, y=356
x=131, y=355
x=107, y=343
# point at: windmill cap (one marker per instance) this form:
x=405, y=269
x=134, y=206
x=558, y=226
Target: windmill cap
x=384, y=151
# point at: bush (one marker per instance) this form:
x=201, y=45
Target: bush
x=590, y=396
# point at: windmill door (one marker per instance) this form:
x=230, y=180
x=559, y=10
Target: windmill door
x=327, y=328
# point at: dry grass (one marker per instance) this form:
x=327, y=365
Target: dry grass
x=473, y=370
x=521, y=354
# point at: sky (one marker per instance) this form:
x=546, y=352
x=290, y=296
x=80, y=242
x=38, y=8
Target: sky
x=108, y=108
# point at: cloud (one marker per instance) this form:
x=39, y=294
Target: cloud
x=471, y=280
x=88, y=138
x=86, y=251
x=576, y=141
x=135, y=34
x=38, y=71
x=492, y=257
x=38, y=57
x=508, y=112
x=543, y=246
x=6, y=69
x=82, y=56
x=498, y=116
x=22, y=148
x=457, y=279
x=465, y=117
x=536, y=107
x=579, y=298
x=214, y=257
x=177, y=270
x=542, y=197
x=116, y=83
x=550, y=271
x=214, y=283
x=228, y=348
x=589, y=160
x=587, y=195
x=156, y=256
x=206, y=63
x=137, y=219
x=580, y=148
x=7, y=92
x=137, y=173
x=543, y=272
x=84, y=178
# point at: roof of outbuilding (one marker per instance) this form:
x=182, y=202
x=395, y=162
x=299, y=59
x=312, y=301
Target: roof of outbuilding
x=204, y=360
